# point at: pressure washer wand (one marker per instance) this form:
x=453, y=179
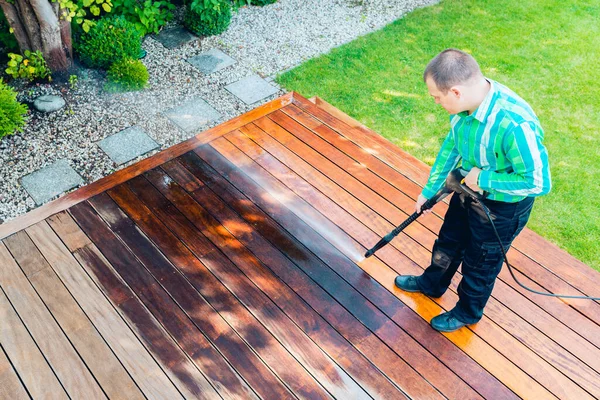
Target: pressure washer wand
x=454, y=183
x=426, y=206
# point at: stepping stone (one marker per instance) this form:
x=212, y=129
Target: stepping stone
x=128, y=144
x=193, y=115
x=48, y=103
x=251, y=89
x=48, y=182
x=211, y=61
x=174, y=37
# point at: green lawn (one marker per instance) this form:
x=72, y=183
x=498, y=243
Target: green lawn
x=545, y=50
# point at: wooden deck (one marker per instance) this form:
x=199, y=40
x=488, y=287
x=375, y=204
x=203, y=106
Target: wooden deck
x=230, y=266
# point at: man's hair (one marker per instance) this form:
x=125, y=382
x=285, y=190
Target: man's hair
x=451, y=67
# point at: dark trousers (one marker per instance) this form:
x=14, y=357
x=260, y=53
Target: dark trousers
x=467, y=237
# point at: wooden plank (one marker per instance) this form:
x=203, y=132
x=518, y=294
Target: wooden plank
x=290, y=301
x=216, y=293
x=64, y=360
x=428, y=366
x=101, y=185
x=510, y=321
x=221, y=375
x=415, y=253
x=232, y=345
x=28, y=361
x=90, y=346
x=261, y=307
x=557, y=308
x=135, y=358
x=396, y=339
x=10, y=384
x=527, y=310
x=510, y=343
x=554, y=259
x=458, y=361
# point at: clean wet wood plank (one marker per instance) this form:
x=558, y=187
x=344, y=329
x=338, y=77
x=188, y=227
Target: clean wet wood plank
x=228, y=340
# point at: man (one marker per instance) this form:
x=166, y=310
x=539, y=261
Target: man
x=498, y=138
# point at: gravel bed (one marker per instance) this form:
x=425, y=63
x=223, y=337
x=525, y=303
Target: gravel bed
x=263, y=40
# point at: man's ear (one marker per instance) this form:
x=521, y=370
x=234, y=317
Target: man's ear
x=455, y=91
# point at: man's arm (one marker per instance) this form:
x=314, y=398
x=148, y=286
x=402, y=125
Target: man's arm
x=446, y=161
x=529, y=160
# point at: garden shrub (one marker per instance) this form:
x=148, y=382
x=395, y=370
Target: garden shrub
x=30, y=66
x=11, y=111
x=127, y=75
x=148, y=16
x=207, y=17
x=262, y=2
x=111, y=39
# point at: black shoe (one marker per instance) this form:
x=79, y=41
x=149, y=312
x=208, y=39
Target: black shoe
x=446, y=322
x=408, y=283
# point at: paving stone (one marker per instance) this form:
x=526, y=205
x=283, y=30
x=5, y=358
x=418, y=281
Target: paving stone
x=192, y=115
x=211, y=61
x=48, y=103
x=48, y=182
x=174, y=37
x=127, y=144
x=251, y=89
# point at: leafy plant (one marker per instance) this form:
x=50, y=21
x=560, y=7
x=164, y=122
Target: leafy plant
x=236, y=4
x=127, y=75
x=12, y=112
x=148, y=16
x=111, y=39
x=263, y=2
x=208, y=17
x=31, y=66
x=73, y=82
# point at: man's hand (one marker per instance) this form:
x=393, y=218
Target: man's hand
x=420, y=201
x=472, y=178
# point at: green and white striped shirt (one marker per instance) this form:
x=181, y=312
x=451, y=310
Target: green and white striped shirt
x=503, y=137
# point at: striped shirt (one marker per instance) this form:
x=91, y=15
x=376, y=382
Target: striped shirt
x=503, y=138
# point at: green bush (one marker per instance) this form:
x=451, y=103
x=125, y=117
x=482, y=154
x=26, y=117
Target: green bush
x=111, y=39
x=148, y=16
x=263, y=2
x=241, y=3
x=31, y=66
x=127, y=75
x=11, y=111
x=207, y=17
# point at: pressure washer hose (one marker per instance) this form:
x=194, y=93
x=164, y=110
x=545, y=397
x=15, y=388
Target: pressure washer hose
x=510, y=268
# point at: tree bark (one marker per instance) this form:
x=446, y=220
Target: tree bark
x=37, y=27
x=12, y=16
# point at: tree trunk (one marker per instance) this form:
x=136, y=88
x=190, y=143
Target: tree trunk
x=37, y=26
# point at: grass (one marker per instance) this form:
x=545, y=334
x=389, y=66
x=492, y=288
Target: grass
x=546, y=51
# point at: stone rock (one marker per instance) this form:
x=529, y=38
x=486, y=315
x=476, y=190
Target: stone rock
x=48, y=103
